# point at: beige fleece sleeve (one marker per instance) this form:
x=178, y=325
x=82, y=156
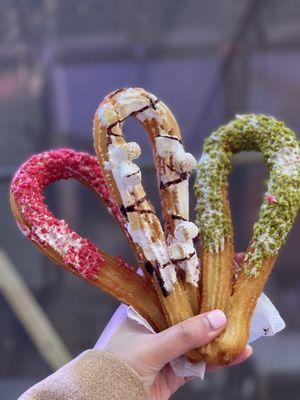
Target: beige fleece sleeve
x=93, y=375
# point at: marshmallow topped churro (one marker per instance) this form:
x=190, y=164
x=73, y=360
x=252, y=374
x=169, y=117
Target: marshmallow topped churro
x=153, y=247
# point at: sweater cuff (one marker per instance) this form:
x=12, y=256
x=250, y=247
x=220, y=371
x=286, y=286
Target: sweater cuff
x=92, y=375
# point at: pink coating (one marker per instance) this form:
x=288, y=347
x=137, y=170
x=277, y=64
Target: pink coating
x=42, y=226
x=271, y=199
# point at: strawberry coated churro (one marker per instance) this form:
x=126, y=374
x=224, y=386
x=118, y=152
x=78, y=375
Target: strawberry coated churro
x=64, y=246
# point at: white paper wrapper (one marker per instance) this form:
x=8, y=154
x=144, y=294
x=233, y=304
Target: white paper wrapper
x=266, y=321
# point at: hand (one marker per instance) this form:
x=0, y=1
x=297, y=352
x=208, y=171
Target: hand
x=149, y=354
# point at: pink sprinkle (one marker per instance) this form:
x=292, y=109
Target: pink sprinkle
x=124, y=264
x=271, y=199
x=42, y=226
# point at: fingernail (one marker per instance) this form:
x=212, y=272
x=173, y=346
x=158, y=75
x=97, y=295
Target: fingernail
x=216, y=318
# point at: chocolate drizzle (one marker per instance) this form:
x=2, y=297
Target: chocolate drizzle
x=170, y=137
x=161, y=284
x=133, y=208
x=165, y=264
x=149, y=268
x=141, y=200
x=178, y=260
x=115, y=134
x=110, y=133
x=119, y=121
x=111, y=95
x=153, y=271
x=123, y=210
x=151, y=105
x=134, y=173
x=183, y=176
x=179, y=217
x=170, y=167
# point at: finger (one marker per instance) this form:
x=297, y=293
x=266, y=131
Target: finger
x=190, y=334
x=245, y=354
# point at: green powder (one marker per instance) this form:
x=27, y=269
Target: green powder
x=281, y=150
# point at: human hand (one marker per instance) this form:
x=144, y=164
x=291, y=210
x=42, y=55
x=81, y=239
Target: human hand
x=149, y=354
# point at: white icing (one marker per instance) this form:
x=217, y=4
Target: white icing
x=128, y=151
x=59, y=238
x=205, y=159
x=130, y=101
x=165, y=146
x=209, y=215
x=185, y=162
x=184, y=233
x=107, y=114
x=182, y=162
x=146, y=115
x=252, y=120
x=119, y=165
x=177, y=251
x=131, y=174
x=182, y=199
x=106, y=165
x=128, y=177
x=287, y=160
x=154, y=251
x=168, y=275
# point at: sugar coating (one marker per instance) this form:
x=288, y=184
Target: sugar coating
x=42, y=227
x=281, y=151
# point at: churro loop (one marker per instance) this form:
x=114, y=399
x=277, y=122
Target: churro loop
x=64, y=246
x=280, y=149
x=123, y=176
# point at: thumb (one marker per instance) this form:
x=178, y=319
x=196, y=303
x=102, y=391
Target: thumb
x=187, y=335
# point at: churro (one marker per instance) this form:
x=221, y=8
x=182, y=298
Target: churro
x=280, y=149
x=160, y=254
x=64, y=246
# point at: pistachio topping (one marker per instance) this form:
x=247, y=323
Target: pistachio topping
x=281, y=150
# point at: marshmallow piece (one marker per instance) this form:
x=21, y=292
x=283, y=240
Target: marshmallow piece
x=166, y=146
x=185, y=162
x=185, y=231
x=177, y=251
x=129, y=101
x=169, y=277
x=128, y=151
x=131, y=174
x=107, y=114
x=106, y=165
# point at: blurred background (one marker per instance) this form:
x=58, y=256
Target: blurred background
x=208, y=60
